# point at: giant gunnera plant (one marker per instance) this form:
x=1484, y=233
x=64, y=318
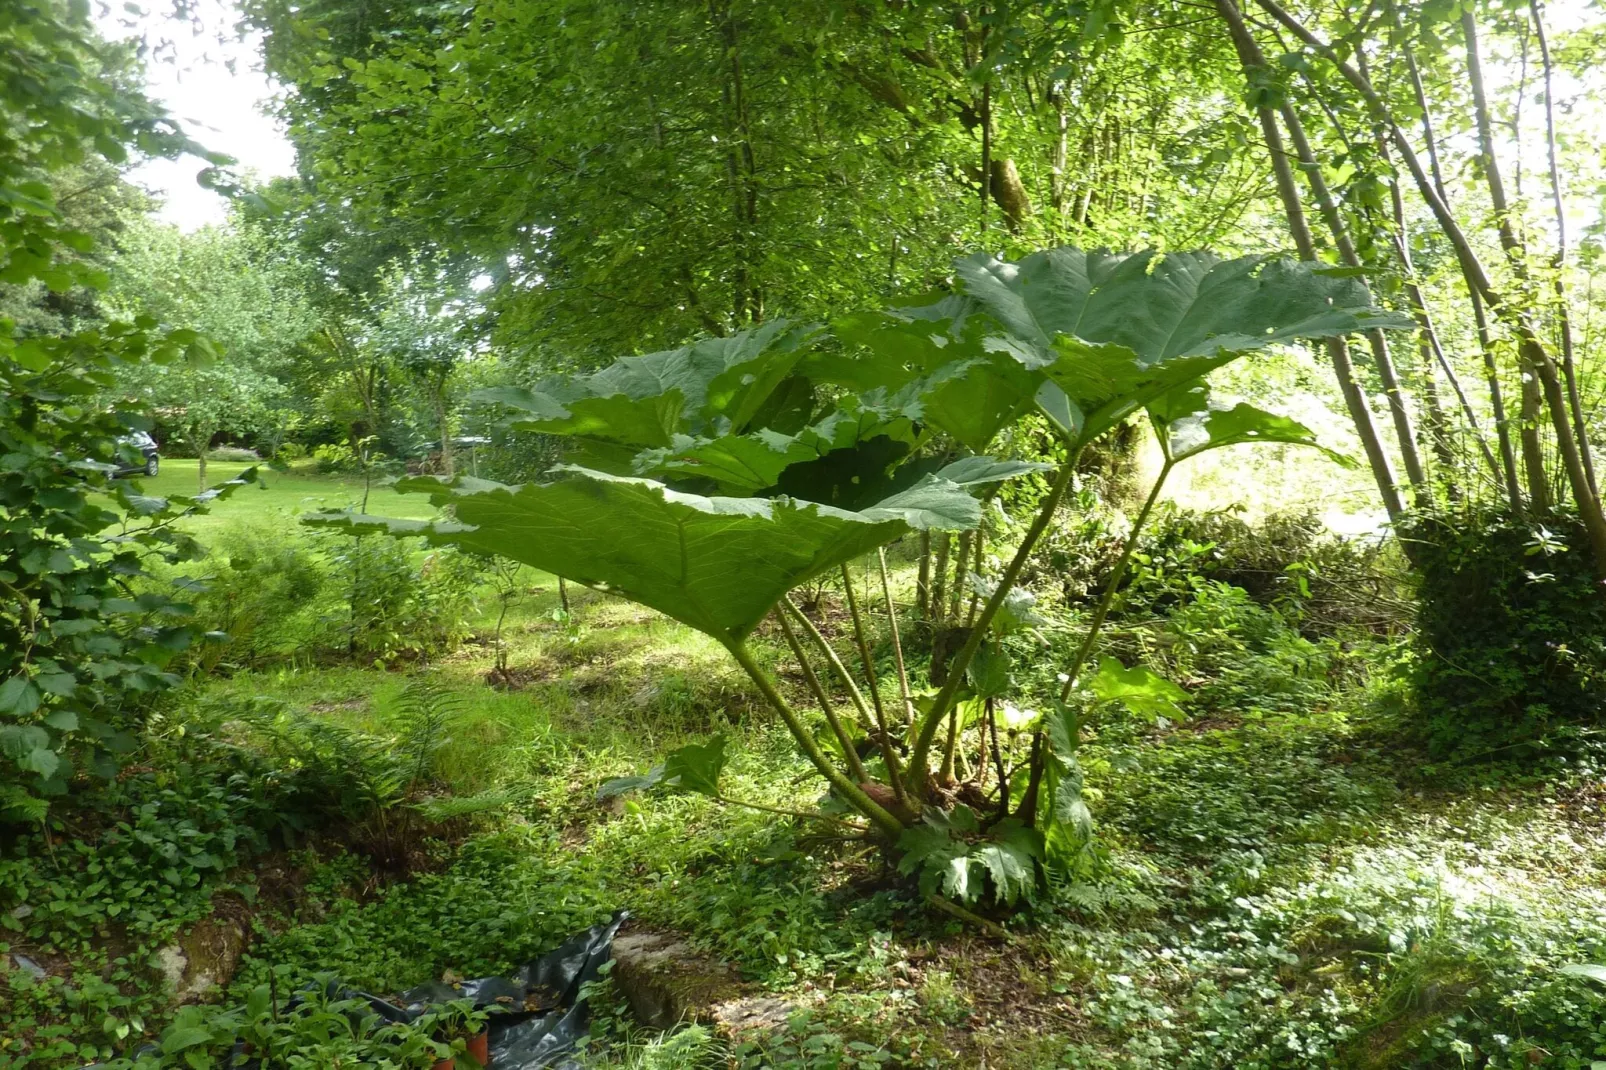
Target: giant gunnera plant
x=708, y=482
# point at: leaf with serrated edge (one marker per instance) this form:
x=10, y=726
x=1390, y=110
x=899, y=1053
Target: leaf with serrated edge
x=716, y=564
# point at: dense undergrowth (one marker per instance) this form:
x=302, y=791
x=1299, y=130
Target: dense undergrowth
x=1279, y=877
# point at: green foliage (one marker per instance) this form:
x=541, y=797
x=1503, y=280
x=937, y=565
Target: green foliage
x=267, y=596
x=951, y=852
x=397, y=605
x=266, y=599
x=1511, y=633
x=144, y=856
x=718, y=564
x=1088, y=339
x=694, y=767
x=82, y=645
x=321, y=1027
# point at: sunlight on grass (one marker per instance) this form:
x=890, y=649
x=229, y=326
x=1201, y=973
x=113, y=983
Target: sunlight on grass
x=285, y=496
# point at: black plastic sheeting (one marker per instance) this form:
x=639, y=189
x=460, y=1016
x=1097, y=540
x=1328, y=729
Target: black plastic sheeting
x=537, y=1015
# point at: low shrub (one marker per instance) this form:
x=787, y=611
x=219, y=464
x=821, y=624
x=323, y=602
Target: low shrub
x=398, y=604
x=233, y=453
x=1325, y=583
x=267, y=597
x=271, y=595
x=332, y=457
x=1511, y=633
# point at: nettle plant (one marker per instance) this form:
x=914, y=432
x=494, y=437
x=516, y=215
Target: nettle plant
x=708, y=482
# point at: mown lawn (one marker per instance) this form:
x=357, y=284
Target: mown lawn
x=284, y=495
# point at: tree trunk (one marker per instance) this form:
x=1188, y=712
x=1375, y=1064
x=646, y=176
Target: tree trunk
x=747, y=302
x=1497, y=403
x=1559, y=261
x=1398, y=407
x=1288, y=191
x=1531, y=351
x=443, y=419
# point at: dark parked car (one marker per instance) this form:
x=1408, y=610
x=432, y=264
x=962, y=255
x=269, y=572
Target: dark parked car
x=147, y=447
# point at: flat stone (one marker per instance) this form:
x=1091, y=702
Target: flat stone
x=753, y=1014
x=668, y=982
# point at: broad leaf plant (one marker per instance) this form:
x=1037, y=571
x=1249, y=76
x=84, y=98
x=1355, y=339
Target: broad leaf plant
x=709, y=481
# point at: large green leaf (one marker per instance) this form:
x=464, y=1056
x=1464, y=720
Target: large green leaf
x=971, y=380
x=753, y=463
x=1140, y=689
x=1114, y=332
x=717, y=564
x=710, y=385
x=1188, y=422
x=694, y=767
x=1163, y=307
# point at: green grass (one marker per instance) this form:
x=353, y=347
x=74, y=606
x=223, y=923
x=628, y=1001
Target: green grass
x=283, y=497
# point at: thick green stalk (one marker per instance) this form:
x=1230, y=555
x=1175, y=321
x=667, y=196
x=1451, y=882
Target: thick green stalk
x=851, y=792
x=888, y=755
x=849, y=754
x=1116, y=575
x=918, y=760
x=864, y=646
x=897, y=643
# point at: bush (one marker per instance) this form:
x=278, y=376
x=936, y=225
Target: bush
x=80, y=653
x=396, y=608
x=336, y=457
x=233, y=453
x=1322, y=582
x=269, y=594
x=1511, y=632
x=267, y=598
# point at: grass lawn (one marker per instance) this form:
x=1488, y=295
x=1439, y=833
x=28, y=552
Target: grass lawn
x=285, y=495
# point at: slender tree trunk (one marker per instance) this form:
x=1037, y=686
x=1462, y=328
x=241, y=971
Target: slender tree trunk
x=956, y=591
x=986, y=153
x=939, y=580
x=923, y=579
x=1497, y=402
x=1559, y=261
x=747, y=301
x=1288, y=191
x=1399, y=408
x=443, y=420
x=1533, y=443
x=1497, y=398
x=1531, y=351
x=1057, y=184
